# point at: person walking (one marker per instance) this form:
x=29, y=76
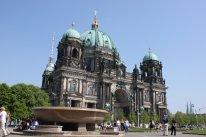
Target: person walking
x=173, y=127
x=165, y=125
x=126, y=125
x=3, y=116
x=118, y=123
x=151, y=125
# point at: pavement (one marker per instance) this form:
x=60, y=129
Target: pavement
x=159, y=134
x=139, y=134
x=131, y=134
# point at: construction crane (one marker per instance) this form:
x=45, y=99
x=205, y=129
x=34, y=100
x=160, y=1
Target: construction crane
x=201, y=109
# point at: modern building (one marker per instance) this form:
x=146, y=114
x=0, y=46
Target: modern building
x=90, y=73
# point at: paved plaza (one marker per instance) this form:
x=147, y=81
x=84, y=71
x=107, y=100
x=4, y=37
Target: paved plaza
x=145, y=134
x=159, y=134
x=131, y=134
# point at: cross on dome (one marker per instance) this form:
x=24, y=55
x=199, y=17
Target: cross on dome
x=73, y=23
x=95, y=22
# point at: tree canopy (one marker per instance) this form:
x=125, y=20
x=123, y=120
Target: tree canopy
x=19, y=99
x=190, y=119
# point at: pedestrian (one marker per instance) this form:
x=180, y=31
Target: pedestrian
x=173, y=127
x=3, y=116
x=126, y=125
x=118, y=124
x=151, y=125
x=157, y=126
x=165, y=125
x=8, y=119
x=122, y=125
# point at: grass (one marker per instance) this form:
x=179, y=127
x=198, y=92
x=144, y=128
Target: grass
x=136, y=129
x=196, y=131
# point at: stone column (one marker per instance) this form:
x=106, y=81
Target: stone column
x=103, y=95
x=110, y=97
x=67, y=85
x=78, y=86
x=108, y=93
x=135, y=100
x=160, y=72
x=83, y=102
x=153, y=101
x=142, y=97
x=61, y=88
x=165, y=98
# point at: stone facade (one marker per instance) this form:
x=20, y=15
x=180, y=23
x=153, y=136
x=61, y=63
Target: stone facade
x=93, y=76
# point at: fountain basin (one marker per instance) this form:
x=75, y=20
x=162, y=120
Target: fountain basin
x=69, y=114
x=83, y=119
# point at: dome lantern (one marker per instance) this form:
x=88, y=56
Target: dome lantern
x=150, y=56
x=95, y=24
x=96, y=38
x=71, y=33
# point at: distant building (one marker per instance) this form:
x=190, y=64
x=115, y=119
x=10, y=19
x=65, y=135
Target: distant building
x=190, y=108
x=90, y=73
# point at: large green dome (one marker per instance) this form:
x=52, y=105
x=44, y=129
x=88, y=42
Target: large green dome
x=71, y=33
x=95, y=37
x=150, y=56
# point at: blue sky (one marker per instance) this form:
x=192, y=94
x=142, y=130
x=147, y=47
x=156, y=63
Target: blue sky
x=174, y=29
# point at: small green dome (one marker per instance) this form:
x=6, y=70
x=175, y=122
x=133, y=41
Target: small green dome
x=71, y=33
x=95, y=37
x=150, y=56
x=50, y=67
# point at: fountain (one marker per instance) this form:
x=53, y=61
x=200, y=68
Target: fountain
x=80, y=116
x=76, y=121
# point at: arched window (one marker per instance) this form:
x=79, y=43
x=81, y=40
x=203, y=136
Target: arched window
x=146, y=96
x=90, y=89
x=73, y=86
x=75, y=53
x=69, y=51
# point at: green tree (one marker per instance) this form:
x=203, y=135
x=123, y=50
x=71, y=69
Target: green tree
x=192, y=119
x=144, y=117
x=200, y=119
x=108, y=118
x=132, y=118
x=119, y=114
x=4, y=95
x=155, y=118
x=19, y=99
x=204, y=119
x=185, y=119
x=180, y=118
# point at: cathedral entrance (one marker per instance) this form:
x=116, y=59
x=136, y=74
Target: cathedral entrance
x=121, y=104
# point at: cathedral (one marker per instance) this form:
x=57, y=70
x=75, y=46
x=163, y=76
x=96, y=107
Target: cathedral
x=89, y=73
